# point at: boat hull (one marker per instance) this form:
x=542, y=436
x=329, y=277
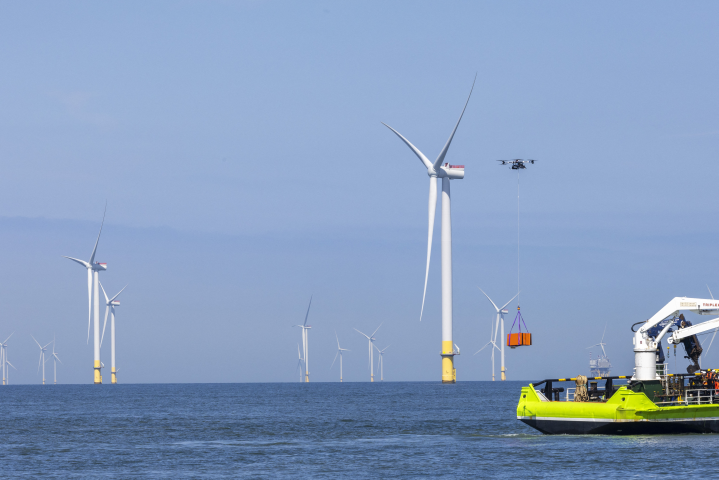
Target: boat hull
x=626, y=413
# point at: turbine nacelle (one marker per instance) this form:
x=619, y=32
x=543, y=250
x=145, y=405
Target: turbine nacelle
x=453, y=172
x=99, y=267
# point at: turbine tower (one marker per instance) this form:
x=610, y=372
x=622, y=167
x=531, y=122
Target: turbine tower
x=42, y=359
x=339, y=352
x=55, y=359
x=305, y=343
x=93, y=270
x=445, y=172
x=493, y=337
x=371, y=339
x=380, y=362
x=4, y=361
x=299, y=362
x=110, y=304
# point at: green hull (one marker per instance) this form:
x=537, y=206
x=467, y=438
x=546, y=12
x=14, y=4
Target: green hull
x=626, y=413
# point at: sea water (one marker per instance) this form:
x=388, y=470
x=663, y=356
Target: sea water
x=316, y=430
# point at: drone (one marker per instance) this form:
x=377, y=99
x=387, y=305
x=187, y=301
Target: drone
x=517, y=163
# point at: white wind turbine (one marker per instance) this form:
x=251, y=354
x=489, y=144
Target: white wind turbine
x=380, y=362
x=371, y=339
x=110, y=304
x=55, y=359
x=446, y=172
x=42, y=359
x=601, y=343
x=305, y=343
x=339, y=352
x=499, y=326
x=93, y=269
x=4, y=361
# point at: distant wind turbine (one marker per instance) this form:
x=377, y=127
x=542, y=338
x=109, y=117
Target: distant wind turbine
x=493, y=336
x=4, y=361
x=42, y=359
x=110, y=304
x=601, y=343
x=93, y=269
x=380, y=362
x=339, y=352
x=55, y=359
x=370, y=339
x=305, y=342
x=445, y=171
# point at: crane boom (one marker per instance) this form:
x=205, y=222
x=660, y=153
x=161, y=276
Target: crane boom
x=703, y=327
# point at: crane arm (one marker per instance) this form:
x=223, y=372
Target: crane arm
x=698, y=305
x=697, y=329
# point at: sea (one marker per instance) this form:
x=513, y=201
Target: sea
x=316, y=430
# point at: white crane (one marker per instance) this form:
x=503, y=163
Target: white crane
x=380, y=362
x=645, y=345
x=305, y=343
x=370, y=339
x=447, y=172
x=4, y=361
x=110, y=304
x=42, y=359
x=339, y=352
x=55, y=359
x=493, y=335
x=93, y=270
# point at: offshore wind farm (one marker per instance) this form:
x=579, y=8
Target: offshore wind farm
x=245, y=188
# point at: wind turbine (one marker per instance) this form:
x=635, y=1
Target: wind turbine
x=601, y=343
x=446, y=172
x=93, y=269
x=110, y=304
x=299, y=362
x=5, y=362
x=339, y=352
x=499, y=326
x=371, y=339
x=55, y=359
x=380, y=362
x=305, y=343
x=42, y=359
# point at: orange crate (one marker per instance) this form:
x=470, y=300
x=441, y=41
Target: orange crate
x=519, y=339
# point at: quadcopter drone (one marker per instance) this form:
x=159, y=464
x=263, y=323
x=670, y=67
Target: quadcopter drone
x=517, y=163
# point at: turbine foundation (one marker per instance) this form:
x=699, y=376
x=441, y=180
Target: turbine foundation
x=114, y=376
x=449, y=373
x=504, y=377
x=98, y=375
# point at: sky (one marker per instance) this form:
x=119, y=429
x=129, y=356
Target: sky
x=240, y=150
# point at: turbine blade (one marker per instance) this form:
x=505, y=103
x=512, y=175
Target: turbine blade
x=118, y=294
x=490, y=300
x=488, y=343
x=94, y=250
x=505, y=305
x=333, y=361
x=338, y=340
x=308, y=310
x=430, y=235
x=58, y=358
x=443, y=153
x=710, y=343
x=39, y=362
x=107, y=300
x=38, y=343
x=107, y=310
x=8, y=338
x=81, y=262
x=8, y=362
x=710, y=292
x=89, y=302
x=416, y=151
x=362, y=333
x=376, y=330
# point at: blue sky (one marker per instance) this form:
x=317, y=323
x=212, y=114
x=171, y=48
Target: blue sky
x=240, y=149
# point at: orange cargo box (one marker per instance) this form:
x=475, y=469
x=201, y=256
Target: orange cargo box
x=519, y=339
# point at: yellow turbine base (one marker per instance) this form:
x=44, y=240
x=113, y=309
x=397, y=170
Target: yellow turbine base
x=98, y=375
x=504, y=377
x=449, y=373
x=114, y=375
x=307, y=377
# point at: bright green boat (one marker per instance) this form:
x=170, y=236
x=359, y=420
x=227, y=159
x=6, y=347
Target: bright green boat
x=628, y=410
x=652, y=401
